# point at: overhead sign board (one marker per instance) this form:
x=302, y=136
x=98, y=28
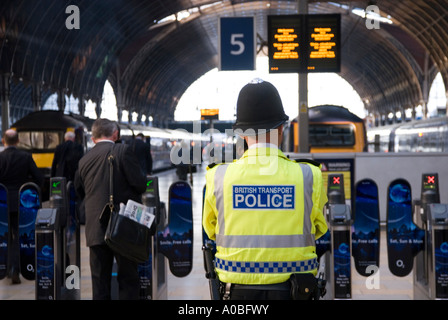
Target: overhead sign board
x=207, y=114
x=304, y=43
x=323, y=43
x=284, y=35
x=237, y=43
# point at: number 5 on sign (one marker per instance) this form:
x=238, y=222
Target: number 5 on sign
x=237, y=43
x=236, y=39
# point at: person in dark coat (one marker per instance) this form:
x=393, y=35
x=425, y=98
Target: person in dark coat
x=92, y=185
x=16, y=168
x=66, y=157
x=143, y=152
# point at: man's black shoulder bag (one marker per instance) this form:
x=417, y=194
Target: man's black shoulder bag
x=124, y=235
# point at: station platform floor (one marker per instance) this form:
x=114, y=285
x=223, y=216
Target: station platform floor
x=195, y=285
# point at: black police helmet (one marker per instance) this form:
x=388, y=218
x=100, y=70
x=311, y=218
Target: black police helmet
x=259, y=107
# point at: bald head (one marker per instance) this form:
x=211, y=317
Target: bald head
x=10, y=137
x=69, y=135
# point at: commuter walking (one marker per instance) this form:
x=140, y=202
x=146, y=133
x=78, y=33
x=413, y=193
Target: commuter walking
x=143, y=152
x=92, y=185
x=66, y=157
x=16, y=168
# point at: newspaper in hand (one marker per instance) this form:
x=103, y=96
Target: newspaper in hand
x=148, y=216
x=138, y=212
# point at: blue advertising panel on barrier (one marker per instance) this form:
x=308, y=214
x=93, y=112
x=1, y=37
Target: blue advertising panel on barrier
x=404, y=238
x=145, y=278
x=176, y=241
x=342, y=269
x=3, y=230
x=441, y=263
x=366, y=227
x=29, y=204
x=45, y=278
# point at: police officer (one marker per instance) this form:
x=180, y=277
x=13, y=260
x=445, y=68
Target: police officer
x=264, y=211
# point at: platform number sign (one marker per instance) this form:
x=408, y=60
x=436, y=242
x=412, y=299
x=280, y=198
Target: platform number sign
x=237, y=43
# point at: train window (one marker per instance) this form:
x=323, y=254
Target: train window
x=319, y=130
x=341, y=131
x=24, y=140
x=331, y=135
x=51, y=140
x=39, y=140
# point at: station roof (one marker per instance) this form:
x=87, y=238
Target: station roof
x=152, y=51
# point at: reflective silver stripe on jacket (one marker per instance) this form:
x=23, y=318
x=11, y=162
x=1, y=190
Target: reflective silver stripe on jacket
x=219, y=194
x=265, y=241
x=308, y=196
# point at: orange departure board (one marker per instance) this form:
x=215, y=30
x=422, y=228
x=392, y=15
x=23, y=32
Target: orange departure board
x=207, y=114
x=323, y=35
x=304, y=43
x=284, y=43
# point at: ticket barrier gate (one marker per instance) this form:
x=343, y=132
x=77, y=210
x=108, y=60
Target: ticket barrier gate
x=54, y=255
x=336, y=262
x=173, y=240
x=431, y=274
x=153, y=273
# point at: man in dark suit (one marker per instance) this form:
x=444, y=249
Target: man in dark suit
x=143, y=152
x=16, y=168
x=92, y=185
x=66, y=157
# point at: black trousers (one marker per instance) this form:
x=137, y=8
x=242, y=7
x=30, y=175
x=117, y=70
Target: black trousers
x=281, y=291
x=13, y=263
x=101, y=262
x=243, y=294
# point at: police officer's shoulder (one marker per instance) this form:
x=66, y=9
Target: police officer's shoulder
x=211, y=165
x=214, y=164
x=314, y=163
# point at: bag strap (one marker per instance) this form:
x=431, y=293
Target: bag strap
x=110, y=159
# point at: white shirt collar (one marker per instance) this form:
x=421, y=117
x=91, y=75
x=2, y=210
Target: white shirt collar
x=105, y=140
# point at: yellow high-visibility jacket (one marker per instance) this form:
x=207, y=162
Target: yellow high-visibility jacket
x=265, y=212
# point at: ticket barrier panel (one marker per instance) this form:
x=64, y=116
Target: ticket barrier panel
x=48, y=254
x=50, y=243
x=337, y=261
x=153, y=273
x=431, y=274
x=175, y=239
x=72, y=247
x=51, y=247
x=58, y=245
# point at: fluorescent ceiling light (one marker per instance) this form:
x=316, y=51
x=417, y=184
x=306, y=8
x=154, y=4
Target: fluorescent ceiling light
x=372, y=15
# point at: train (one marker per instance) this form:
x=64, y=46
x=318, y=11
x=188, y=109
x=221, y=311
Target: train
x=332, y=128
x=428, y=135
x=41, y=131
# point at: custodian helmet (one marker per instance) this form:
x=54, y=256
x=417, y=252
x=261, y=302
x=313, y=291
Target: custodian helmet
x=259, y=107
